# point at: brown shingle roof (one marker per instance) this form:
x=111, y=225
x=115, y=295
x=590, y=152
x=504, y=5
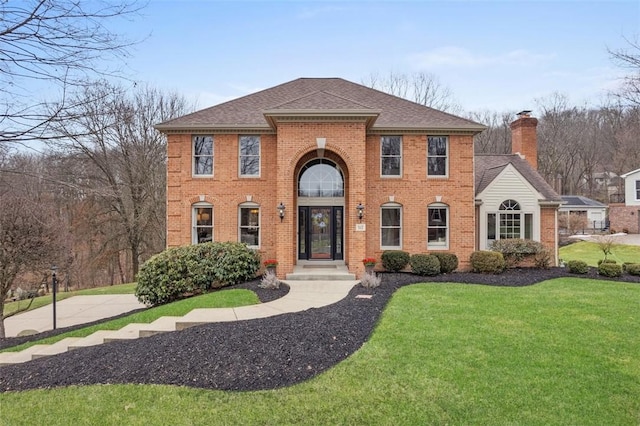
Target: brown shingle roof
x=488, y=167
x=320, y=94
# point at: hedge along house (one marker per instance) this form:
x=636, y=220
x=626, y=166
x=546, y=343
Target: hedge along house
x=322, y=171
x=512, y=199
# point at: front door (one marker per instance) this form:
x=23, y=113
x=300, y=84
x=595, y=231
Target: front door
x=320, y=232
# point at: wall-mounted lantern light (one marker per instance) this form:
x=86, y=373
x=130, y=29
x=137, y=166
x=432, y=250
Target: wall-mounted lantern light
x=281, y=209
x=360, y=209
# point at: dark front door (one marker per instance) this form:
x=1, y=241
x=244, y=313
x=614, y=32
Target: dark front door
x=320, y=233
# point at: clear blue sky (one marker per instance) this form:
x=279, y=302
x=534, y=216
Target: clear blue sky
x=497, y=55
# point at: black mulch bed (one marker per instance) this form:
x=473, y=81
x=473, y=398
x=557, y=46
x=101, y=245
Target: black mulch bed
x=256, y=354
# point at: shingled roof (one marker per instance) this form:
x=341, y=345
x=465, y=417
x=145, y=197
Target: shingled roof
x=488, y=167
x=580, y=201
x=309, y=96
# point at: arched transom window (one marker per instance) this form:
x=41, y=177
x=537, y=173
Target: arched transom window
x=320, y=178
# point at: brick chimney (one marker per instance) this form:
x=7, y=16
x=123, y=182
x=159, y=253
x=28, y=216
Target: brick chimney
x=523, y=138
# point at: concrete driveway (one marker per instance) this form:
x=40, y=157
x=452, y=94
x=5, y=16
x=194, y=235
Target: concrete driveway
x=620, y=238
x=72, y=311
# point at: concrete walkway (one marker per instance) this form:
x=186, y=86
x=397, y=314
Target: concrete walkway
x=302, y=295
x=72, y=311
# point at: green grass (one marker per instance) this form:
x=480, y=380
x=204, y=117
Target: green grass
x=566, y=351
x=219, y=299
x=589, y=252
x=39, y=302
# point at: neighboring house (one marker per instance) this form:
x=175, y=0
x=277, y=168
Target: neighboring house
x=594, y=212
x=625, y=216
x=325, y=170
x=512, y=198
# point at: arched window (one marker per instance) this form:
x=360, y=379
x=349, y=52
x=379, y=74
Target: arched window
x=320, y=178
x=510, y=219
x=438, y=226
x=202, y=220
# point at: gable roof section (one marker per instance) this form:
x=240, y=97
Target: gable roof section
x=322, y=95
x=580, y=201
x=630, y=173
x=488, y=167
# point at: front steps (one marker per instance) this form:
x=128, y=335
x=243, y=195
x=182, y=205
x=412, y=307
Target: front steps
x=321, y=271
x=302, y=295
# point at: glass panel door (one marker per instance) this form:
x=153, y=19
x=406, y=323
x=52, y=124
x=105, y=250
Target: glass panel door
x=302, y=232
x=320, y=233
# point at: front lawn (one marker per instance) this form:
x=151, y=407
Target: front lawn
x=590, y=252
x=566, y=351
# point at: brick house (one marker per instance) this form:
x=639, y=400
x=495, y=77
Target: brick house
x=625, y=216
x=323, y=170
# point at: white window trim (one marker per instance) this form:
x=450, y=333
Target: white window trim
x=399, y=175
x=446, y=162
x=250, y=205
x=439, y=246
x=259, y=158
x=193, y=157
x=395, y=206
x=194, y=226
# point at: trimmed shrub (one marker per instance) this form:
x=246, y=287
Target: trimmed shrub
x=601, y=261
x=180, y=271
x=633, y=269
x=612, y=270
x=514, y=250
x=542, y=259
x=487, y=262
x=577, y=267
x=448, y=262
x=425, y=264
x=395, y=260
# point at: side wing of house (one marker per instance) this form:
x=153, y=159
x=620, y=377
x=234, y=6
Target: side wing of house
x=511, y=207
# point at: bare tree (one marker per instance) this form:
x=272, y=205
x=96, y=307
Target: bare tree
x=421, y=87
x=27, y=241
x=496, y=139
x=121, y=163
x=629, y=58
x=47, y=44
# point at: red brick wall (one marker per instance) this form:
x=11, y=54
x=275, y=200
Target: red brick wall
x=359, y=156
x=624, y=218
x=524, y=139
x=549, y=232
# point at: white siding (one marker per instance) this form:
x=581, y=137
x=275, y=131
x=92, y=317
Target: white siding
x=630, y=188
x=508, y=185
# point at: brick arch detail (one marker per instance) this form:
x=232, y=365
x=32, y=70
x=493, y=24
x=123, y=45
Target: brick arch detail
x=207, y=199
x=331, y=152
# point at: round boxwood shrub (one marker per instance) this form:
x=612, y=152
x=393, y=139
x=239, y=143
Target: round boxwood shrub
x=611, y=270
x=601, y=261
x=633, y=269
x=395, y=260
x=181, y=271
x=487, y=262
x=577, y=267
x=448, y=262
x=425, y=264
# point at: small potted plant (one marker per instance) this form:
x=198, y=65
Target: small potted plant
x=369, y=263
x=271, y=264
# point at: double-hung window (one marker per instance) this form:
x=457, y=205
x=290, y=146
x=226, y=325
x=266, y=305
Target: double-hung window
x=249, y=155
x=391, y=156
x=437, y=227
x=202, y=155
x=437, y=147
x=391, y=226
x=249, y=228
x=202, y=220
x=638, y=190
